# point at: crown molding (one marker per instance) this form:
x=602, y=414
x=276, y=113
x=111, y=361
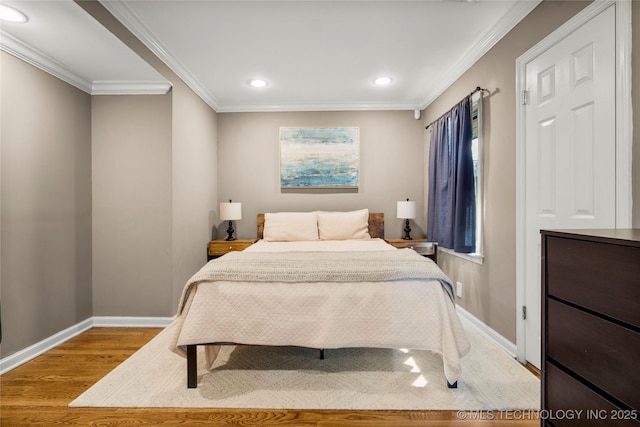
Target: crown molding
x=316, y=107
x=33, y=56
x=517, y=12
x=107, y=87
x=129, y=19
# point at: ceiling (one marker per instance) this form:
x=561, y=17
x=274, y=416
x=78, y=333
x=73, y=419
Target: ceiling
x=315, y=55
x=62, y=39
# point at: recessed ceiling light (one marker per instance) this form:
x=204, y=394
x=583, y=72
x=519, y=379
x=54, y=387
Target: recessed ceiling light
x=258, y=83
x=12, y=15
x=382, y=81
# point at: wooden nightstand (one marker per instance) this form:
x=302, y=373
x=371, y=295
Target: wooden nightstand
x=218, y=248
x=424, y=248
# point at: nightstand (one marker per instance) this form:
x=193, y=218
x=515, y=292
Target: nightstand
x=217, y=248
x=421, y=246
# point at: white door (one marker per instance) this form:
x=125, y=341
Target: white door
x=570, y=162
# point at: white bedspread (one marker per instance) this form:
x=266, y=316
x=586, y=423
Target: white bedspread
x=414, y=314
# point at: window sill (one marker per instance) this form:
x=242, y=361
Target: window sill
x=475, y=258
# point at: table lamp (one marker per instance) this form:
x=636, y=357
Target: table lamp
x=230, y=212
x=406, y=210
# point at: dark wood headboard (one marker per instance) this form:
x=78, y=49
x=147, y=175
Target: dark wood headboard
x=376, y=225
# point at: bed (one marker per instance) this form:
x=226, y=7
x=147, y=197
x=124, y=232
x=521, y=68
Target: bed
x=321, y=280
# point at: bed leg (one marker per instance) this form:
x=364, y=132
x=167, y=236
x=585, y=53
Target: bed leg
x=322, y=353
x=192, y=366
x=454, y=385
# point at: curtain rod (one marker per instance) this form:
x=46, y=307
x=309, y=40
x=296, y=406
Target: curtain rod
x=477, y=89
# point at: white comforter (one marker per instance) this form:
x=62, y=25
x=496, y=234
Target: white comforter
x=413, y=314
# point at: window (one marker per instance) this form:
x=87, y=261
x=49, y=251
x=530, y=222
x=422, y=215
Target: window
x=476, y=151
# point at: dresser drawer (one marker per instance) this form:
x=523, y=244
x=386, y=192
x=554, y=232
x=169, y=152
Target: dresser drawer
x=421, y=246
x=220, y=247
x=426, y=248
x=602, y=277
x=565, y=394
x=598, y=350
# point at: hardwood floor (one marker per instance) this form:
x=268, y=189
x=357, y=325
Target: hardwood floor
x=38, y=393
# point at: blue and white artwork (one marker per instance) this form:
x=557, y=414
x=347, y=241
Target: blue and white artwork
x=319, y=157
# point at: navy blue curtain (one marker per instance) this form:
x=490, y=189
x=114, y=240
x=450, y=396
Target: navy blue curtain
x=451, y=215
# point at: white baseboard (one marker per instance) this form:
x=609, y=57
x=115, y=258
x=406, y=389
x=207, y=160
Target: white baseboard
x=23, y=356
x=494, y=336
x=16, y=359
x=13, y=361
x=130, y=322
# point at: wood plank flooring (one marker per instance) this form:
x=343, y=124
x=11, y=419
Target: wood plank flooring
x=38, y=392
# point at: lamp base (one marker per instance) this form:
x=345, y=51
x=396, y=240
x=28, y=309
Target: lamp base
x=407, y=231
x=230, y=232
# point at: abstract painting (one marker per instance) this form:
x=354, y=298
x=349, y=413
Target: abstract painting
x=319, y=157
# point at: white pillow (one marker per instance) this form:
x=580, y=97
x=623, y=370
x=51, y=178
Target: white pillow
x=344, y=225
x=290, y=226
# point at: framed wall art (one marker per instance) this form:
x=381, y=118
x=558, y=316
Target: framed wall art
x=319, y=157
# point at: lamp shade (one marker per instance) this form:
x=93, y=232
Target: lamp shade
x=230, y=211
x=406, y=209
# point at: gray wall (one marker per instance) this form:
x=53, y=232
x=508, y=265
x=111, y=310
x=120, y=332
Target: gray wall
x=154, y=196
x=391, y=165
x=45, y=141
x=132, y=205
x=490, y=289
x=194, y=184
x=193, y=173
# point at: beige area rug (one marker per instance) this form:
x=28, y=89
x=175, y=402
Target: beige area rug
x=296, y=378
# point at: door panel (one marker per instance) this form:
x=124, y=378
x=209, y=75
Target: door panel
x=583, y=167
x=570, y=165
x=547, y=167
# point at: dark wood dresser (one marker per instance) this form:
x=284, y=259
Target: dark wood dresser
x=591, y=328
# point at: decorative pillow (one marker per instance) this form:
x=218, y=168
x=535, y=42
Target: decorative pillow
x=290, y=226
x=344, y=225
